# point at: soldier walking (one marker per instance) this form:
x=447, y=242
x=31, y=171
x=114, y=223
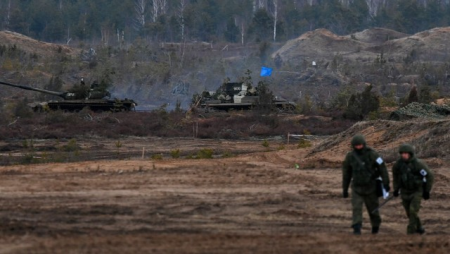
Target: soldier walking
x=361, y=168
x=413, y=181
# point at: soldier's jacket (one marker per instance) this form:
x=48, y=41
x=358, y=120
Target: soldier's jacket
x=361, y=169
x=407, y=174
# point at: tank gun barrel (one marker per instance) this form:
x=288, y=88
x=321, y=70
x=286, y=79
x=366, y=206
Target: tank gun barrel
x=60, y=94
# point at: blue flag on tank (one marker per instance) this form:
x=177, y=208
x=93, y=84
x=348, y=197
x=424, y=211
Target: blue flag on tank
x=266, y=72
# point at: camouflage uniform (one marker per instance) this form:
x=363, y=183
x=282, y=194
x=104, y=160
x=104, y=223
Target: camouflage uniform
x=409, y=180
x=361, y=168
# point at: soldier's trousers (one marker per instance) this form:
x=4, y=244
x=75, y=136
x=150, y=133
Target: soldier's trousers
x=371, y=202
x=411, y=203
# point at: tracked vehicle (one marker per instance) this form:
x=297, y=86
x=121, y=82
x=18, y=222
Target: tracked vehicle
x=240, y=96
x=79, y=97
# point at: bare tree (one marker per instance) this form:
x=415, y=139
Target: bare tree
x=155, y=10
x=159, y=8
x=182, y=21
x=164, y=5
x=240, y=22
x=375, y=6
x=8, y=15
x=120, y=38
x=259, y=4
x=140, y=9
x=275, y=17
x=68, y=36
x=105, y=32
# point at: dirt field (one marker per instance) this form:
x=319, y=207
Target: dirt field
x=252, y=203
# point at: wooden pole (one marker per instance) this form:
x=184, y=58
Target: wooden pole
x=196, y=130
x=288, y=136
x=143, y=152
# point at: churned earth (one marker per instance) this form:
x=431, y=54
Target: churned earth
x=257, y=202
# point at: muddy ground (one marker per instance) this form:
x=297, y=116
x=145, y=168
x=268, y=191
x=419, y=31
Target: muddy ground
x=255, y=202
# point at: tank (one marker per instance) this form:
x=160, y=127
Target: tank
x=79, y=97
x=239, y=96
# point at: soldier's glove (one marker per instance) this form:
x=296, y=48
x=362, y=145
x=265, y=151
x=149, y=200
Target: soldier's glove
x=396, y=192
x=345, y=194
x=387, y=188
x=426, y=195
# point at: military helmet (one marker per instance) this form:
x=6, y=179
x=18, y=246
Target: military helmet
x=358, y=140
x=406, y=148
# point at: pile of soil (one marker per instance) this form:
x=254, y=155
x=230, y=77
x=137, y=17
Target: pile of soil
x=32, y=46
x=377, y=35
x=367, y=45
x=319, y=43
x=429, y=137
x=430, y=45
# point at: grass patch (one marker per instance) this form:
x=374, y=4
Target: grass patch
x=157, y=157
x=304, y=143
x=175, y=153
x=205, y=154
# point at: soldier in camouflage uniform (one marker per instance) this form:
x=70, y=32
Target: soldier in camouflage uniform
x=413, y=180
x=361, y=168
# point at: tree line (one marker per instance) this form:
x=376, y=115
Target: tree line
x=113, y=22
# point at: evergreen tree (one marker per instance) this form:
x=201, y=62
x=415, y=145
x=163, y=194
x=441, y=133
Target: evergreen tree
x=361, y=104
x=425, y=94
x=413, y=96
x=232, y=31
x=261, y=26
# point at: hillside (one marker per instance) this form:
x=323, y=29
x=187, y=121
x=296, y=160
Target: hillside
x=431, y=45
x=428, y=136
x=366, y=46
x=376, y=35
x=32, y=46
x=317, y=44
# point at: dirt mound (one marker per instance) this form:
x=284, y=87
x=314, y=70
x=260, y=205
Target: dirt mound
x=377, y=35
x=430, y=45
x=318, y=43
x=366, y=46
x=421, y=110
x=443, y=101
x=429, y=137
x=313, y=76
x=31, y=46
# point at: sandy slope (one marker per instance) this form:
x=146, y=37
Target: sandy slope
x=367, y=45
x=30, y=45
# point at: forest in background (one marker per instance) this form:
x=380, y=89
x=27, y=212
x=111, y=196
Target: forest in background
x=115, y=22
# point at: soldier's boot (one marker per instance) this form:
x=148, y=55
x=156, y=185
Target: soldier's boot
x=375, y=230
x=411, y=230
x=420, y=231
x=357, y=229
